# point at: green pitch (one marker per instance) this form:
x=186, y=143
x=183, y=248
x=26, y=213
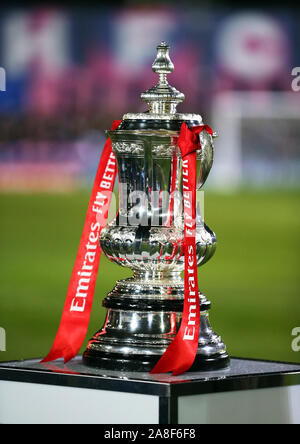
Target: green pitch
x=252, y=281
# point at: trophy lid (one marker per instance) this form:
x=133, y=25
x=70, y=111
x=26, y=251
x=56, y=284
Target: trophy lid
x=162, y=100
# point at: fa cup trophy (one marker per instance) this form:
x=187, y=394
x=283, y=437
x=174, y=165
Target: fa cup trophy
x=144, y=312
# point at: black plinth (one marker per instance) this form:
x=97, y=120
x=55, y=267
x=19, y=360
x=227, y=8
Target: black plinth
x=243, y=375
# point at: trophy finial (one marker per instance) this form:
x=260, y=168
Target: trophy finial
x=162, y=98
x=163, y=65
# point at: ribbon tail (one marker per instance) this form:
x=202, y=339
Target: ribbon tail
x=59, y=351
x=171, y=360
x=68, y=341
x=78, y=304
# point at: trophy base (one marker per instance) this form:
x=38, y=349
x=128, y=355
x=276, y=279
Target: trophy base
x=143, y=317
x=146, y=364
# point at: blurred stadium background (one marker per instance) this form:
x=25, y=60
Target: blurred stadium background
x=69, y=73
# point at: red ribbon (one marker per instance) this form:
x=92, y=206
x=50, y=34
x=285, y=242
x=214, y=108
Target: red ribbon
x=181, y=353
x=77, y=309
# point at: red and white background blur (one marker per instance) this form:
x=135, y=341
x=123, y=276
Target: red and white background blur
x=70, y=72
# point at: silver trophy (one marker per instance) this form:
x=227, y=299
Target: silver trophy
x=144, y=312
